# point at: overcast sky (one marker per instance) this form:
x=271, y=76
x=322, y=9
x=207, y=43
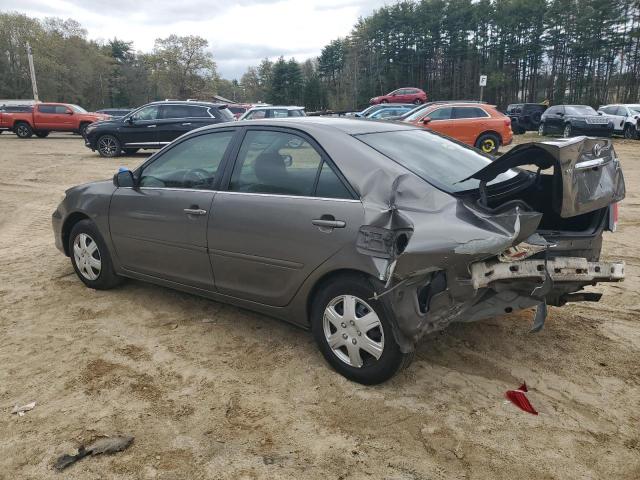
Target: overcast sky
x=240, y=32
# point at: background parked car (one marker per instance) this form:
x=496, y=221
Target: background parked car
x=402, y=95
x=625, y=118
x=477, y=124
x=13, y=109
x=152, y=126
x=272, y=111
x=571, y=120
x=525, y=116
x=374, y=108
x=48, y=117
x=390, y=113
x=238, y=109
x=115, y=112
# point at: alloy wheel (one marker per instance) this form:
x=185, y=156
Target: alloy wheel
x=107, y=146
x=541, y=130
x=488, y=145
x=22, y=131
x=87, y=256
x=353, y=331
x=567, y=131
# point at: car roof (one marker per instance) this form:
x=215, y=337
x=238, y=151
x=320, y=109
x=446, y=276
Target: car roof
x=348, y=126
x=190, y=102
x=288, y=107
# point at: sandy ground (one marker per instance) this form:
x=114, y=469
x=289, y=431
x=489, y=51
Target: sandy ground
x=212, y=391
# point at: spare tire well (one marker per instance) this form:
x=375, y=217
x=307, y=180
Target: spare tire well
x=67, y=226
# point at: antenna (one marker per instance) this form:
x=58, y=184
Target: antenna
x=32, y=71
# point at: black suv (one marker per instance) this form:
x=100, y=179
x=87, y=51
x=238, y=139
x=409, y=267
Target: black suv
x=525, y=116
x=571, y=120
x=152, y=126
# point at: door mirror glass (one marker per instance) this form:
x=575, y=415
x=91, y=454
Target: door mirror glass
x=130, y=120
x=124, y=178
x=426, y=120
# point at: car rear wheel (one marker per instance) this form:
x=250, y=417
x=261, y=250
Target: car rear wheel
x=90, y=257
x=568, y=131
x=630, y=132
x=354, y=333
x=23, y=130
x=42, y=134
x=108, y=146
x=488, y=143
x=417, y=102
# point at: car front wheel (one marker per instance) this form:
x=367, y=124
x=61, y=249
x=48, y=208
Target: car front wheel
x=354, y=333
x=108, y=146
x=541, y=130
x=90, y=257
x=630, y=132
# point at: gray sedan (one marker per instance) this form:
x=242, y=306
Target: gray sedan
x=369, y=234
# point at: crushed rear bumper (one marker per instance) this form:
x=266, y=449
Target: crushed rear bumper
x=564, y=269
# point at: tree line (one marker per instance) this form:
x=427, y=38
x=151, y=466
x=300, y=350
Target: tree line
x=561, y=51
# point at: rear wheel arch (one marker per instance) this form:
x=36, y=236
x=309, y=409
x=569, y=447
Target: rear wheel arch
x=68, y=225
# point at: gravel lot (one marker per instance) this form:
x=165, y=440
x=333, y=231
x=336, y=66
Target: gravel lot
x=212, y=391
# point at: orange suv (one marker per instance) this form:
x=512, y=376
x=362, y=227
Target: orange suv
x=477, y=124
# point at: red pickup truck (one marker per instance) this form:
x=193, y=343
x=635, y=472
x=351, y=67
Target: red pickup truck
x=49, y=117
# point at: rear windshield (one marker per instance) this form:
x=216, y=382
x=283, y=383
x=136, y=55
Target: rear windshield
x=226, y=114
x=439, y=161
x=580, y=110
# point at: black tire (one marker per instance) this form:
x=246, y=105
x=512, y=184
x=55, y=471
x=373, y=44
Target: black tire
x=630, y=132
x=23, y=130
x=567, y=131
x=130, y=151
x=488, y=143
x=83, y=128
x=542, y=130
x=105, y=276
x=108, y=146
x=372, y=371
x=417, y=101
x=41, y=133
x=518, y=130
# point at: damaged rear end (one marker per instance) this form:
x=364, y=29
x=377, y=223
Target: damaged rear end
x=520, y=238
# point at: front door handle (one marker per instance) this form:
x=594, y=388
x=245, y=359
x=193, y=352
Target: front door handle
x=151, y=126
x=195, y=211
x=327, y=223
x=186, y=124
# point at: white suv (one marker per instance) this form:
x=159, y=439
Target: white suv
x=625, y=118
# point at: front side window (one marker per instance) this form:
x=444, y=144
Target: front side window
x=280, y=113
x=256, y=114
x=78, y=109
x=61, y=110
x=440, y=114
x=468, y=112
x=192, y=163
x=275, y=162
x=147, y=113
x=296, y=113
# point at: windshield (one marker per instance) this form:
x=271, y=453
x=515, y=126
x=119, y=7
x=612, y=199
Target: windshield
x=439, y=161
x=414, y=114
x=579, y=110
x=634, y=109
x=77, y=109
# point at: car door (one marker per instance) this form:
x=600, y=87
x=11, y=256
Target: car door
x=554, y=121
x=45, y=117
x=440, y=121
x=174, y=121
x=286, y=210
x=620, y=118
x=159, y=227
x=470, y=123
x=141, y=127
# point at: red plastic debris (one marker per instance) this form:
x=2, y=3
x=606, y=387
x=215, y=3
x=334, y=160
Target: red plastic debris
x=519, y=398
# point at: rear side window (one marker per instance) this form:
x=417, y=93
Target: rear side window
x=296, y=113
x=176, y=111
x=329, y=185
x=256, y=114
x=280, y=113
x=47, y=108
x=199, y=112
x=275, y=162
x=469, y=112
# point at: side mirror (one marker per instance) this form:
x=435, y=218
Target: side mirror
x=393, y=94
x=124, y=178
x=69, y=112
x=599, y=113
x=426, y=120
x=130, y=120
x=560, y=114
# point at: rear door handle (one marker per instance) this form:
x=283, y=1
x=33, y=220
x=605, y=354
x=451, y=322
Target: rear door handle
x=195, y=211
x=151, y=126
x=185, y=124
x=321, y=222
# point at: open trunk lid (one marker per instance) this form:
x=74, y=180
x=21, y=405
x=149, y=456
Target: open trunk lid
x=586, y=172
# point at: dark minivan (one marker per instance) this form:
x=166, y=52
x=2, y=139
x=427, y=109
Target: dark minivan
x=152, y=126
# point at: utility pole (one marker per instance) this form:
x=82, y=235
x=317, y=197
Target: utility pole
x=32, y=71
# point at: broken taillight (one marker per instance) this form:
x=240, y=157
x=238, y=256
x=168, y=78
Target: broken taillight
x=613, y=217
x=507, y=122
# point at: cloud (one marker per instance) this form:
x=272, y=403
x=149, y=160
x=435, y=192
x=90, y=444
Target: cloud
x=240, y=32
